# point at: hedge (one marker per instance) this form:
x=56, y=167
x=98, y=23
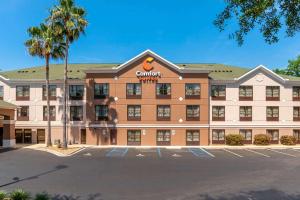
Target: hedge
x=288, y=140
x=261, y=139
x=234, y=139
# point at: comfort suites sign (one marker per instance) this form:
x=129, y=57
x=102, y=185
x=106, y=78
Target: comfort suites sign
x=148, y=74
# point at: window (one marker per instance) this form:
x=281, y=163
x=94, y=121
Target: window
x=134, y=137
x=163, y=112
x=163, y=90
x=101, y=90
x=296, y=134
x=296, y=113
x=1, y=93
x=245, y=113
x=218, y=92
x=52, y=92
x=52, y=113
x=134, y=112
x=272, y=93
x=218, y=136
x=163, y=137
x=134, y=90
x=274, y=135
x=192, y=137
x=76, y=92
x=76, y=113
x=247, y=135
x=272, y=113
x=23, y=93
x=296, y=93
x=218, y=113
x=23, y=113
x=192, y=112
x=246, y=93
x=192, y=91
x=101, y=112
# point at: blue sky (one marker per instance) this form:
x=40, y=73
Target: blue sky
x=180, y=31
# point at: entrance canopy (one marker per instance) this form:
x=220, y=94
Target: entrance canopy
x=7, y=125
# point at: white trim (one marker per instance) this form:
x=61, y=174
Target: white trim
x=262, y=67
x=146, y=126
x=148, y=51
x=255, y=126
x=9, y=121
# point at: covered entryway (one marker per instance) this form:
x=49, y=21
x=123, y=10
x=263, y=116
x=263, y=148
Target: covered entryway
x=7, y=126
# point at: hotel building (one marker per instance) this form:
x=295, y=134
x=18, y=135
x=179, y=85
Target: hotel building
x=150, y=101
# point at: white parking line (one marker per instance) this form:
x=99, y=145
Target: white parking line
x=212, y=155
x=258, y=153
x=238, y=155
x=287, y=154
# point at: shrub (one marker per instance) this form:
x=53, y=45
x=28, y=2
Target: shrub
x=262, y=139
x=2, y=195
x=234, y=139
x=42, y=196
x=288, y=140
x=19, y=194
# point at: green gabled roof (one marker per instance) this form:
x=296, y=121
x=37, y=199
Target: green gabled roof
x=6, y=105
x=76, y=71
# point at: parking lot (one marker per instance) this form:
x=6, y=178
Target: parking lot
x=155, y=173
x=192, y=153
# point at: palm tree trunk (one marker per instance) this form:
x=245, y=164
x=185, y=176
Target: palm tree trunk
x=65, y=144
x=49, y=143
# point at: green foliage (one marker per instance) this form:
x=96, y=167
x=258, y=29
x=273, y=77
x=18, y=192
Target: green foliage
x=288, y=140
x=293, y=68
x=19, y=194
x=268, y=16
x=42, y=196
x=262, y=139
x=2, y=195
x=234, y=139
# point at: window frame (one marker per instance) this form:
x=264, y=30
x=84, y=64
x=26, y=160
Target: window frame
x=246, y=141
x=218, y=118
x=101, y=96
x=192, y=96
x=272, y=118
x=52, y=118
x=297, y=132
x=134, y=118
x=51, y=98
x=163, y=96
x=166, y=133
x=97, y=115
x=272, y=98
x=270, y=132
x=76, y=98
x=137, y=134
x=163, y=118
x=218, y=98
x=296, y=118
x=245, y=118
x=80, y=118
x=19, y=112
x=192, y=142
x=23, y=97
x=192, y=118
x=296, y=98
x=1, y=92
x=245, y=98
x=218, y=141
x=133, y=96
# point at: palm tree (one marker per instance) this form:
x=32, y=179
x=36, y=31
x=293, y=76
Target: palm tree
x=70, y=22
x=45, y=44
